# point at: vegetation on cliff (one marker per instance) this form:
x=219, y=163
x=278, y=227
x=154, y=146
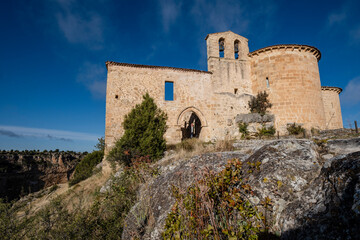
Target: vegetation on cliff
x=216, y=207
x=104, y=219
x=86, y=166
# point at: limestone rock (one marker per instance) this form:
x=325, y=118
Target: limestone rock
x=254, y=118
x=343, y=146
x=156, y=199
x=312, y=199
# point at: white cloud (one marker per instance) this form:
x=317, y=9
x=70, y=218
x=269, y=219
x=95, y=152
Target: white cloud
x=221, y=15
x=351, y=95
x=170, y=10
x=355, y=34
x=336, y=18
x=51, y=134
x=80, y=26
x=236, y=15
x=342, y=21
x=93, y=77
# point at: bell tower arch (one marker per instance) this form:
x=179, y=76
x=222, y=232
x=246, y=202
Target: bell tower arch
x=228, y=60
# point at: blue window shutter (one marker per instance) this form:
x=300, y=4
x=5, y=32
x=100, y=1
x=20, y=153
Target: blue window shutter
x=169, y=91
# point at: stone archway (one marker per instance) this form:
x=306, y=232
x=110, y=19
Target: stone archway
x=191, y=121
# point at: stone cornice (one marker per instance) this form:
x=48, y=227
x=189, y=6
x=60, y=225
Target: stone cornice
x=289, y=47
x=335, y=89
x=111, y=63
x=221, y=33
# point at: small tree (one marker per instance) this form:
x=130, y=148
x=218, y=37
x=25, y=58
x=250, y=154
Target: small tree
x=243, y=129
x=260, y=103
x=144, y=132
x=101, y=144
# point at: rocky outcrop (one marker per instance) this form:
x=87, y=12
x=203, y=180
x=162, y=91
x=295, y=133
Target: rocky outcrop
x=312, y=197
x=29, y=171
x=255, y=121
x=254, y=118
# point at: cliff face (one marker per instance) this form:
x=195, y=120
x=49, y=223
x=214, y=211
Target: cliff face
x=26, y=172
x=315, y=192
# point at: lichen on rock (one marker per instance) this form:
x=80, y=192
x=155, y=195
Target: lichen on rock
x=312, y=198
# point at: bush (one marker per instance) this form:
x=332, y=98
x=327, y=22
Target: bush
x=216, y=207
x=101, y=144
x=295, y=129
x=144, y=132
x=8, y=223
x=243, y=129
x=266, y=131
x=260, y=103
x=85, y=168
x=315, y=131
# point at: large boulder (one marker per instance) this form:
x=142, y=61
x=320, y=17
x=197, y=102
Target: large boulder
x=147, y=218
x=312, y=198
x=343, y=146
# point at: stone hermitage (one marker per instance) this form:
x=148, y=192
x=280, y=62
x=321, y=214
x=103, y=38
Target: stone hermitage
x=204, y=104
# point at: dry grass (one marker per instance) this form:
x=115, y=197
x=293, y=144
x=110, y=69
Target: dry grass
x=82, y=193
x=192, y=147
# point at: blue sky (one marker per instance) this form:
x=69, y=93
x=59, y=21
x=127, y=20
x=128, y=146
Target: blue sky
x=53, y=54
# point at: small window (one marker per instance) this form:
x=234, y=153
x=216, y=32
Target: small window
x=169, y=91
x=235, y=90
x=236, y=49
x=267, y=82
x=221, y=47
x=116, y=96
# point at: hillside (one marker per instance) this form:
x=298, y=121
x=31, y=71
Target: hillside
x=312, y=187
x=24, y=172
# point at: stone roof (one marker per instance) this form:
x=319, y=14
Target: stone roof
x=305, y=48
x=335, y=89
x=154, y=67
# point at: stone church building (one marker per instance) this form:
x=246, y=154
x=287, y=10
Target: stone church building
x=211, y=100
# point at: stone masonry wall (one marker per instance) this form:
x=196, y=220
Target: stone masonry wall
x=229, y=74
x=332, y=107
x=193, y=92
x=126, y=84
x=294, y=84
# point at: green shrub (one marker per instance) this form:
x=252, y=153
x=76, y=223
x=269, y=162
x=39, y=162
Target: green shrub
x=85, y=168
x=266, y=131
x=295, y=129
x=8, y=224
x=243, y=129
x=315, y=131
x=144, y=132
x=216, y=207
x=54, y=188
x=260, y=103
x=101, y=144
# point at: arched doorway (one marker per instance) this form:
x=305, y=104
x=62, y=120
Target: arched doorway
x=186, y=117
x=191, y=126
